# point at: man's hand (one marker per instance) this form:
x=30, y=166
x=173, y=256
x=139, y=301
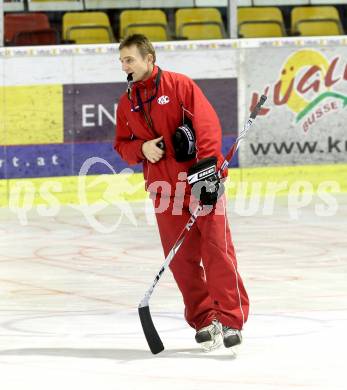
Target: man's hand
x=151, y=151
x=206, y=185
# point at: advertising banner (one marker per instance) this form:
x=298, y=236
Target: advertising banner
x=59, y=103
x=31, y=115
x=50, y=130
x=90, y=109
x=3, y=159
x=304, y=118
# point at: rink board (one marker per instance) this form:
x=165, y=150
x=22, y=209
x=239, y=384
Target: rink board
x=52, y=121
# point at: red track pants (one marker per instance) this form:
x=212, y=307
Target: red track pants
x=205, y=267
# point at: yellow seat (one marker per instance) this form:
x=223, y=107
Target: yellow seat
x=324, y=20
x=260, y=30
x=199, y=23
x=87, y=27
x=317, y=28
x=256, y=22
x=152, y=23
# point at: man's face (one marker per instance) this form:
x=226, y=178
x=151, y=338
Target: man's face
x=133, y=62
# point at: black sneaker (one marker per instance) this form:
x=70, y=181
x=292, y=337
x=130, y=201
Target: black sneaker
x=210, y=337
x=231, y=337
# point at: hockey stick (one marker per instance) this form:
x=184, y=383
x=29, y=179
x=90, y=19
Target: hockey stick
x=154, y=342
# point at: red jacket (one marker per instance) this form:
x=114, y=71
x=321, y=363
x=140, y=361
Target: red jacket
x=180, y=96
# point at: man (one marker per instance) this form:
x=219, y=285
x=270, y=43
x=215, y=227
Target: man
x=165, y=121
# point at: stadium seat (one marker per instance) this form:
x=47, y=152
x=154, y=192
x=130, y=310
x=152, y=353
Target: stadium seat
x=199, y=23
x=18, y=23
x=256, y=22
x=313, y=21
x=152, y=23
x=36, y=37
x=87, y=27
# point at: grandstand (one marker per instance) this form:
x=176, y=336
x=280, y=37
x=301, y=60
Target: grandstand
x=107, y=21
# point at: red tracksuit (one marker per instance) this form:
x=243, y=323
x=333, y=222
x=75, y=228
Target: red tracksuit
x=214, y=291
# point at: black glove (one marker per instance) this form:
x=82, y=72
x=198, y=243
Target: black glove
x=184, y=143
x=206, y=185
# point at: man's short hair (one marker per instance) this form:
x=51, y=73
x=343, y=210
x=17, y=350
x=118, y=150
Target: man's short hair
x=141, y=42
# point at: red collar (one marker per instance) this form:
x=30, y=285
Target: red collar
x=149, y=82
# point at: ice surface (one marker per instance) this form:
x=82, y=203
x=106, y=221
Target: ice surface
x=69, y=297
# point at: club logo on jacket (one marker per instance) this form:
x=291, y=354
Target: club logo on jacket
x=163, y=99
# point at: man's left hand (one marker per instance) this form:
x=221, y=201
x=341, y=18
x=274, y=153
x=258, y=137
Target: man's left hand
x=205, y=182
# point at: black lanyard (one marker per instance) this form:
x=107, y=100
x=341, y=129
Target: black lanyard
x=140, y=106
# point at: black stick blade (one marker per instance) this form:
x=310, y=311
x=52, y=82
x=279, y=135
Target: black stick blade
x=151, y=334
